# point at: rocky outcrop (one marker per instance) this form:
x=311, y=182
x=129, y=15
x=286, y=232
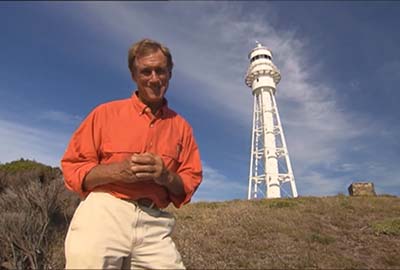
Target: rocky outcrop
x=362, y=189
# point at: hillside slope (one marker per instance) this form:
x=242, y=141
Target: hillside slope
x=307, y=232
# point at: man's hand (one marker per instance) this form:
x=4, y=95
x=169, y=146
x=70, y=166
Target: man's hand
x=108, y=173
x=140, y=167
x=149, y=166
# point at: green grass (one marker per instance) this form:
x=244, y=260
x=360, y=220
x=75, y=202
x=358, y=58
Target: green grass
x=322, y=239
x=22, y=165
x=387, y=226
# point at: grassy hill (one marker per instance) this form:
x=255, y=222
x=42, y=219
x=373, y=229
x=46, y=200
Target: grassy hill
x=306, y=232
x=309, y=232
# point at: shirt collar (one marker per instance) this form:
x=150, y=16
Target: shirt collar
x=140, y=107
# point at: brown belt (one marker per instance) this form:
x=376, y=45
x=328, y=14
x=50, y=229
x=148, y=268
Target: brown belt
x=146, y=203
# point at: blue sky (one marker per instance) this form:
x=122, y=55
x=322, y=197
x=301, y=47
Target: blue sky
x=338, y=97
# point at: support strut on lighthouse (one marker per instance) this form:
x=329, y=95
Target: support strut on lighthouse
x=270, y=168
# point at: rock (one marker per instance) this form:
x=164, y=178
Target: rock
x=362, y=189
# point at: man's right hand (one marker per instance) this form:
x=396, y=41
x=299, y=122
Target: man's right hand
x=108, y=173
x=123, y=172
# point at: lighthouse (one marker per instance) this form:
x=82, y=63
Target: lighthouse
x=271, y=174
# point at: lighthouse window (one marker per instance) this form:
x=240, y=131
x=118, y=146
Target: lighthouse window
x=265, y=56
x=260, y=56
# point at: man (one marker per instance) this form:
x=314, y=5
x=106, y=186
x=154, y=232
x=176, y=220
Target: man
x=129, y=159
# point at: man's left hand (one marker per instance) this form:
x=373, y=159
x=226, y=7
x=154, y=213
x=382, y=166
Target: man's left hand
x=149, y=166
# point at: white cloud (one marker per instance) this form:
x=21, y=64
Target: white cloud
x=211, y=49
x=218, y=187
x=19, y=141
x=315, y=183
x=60, y=117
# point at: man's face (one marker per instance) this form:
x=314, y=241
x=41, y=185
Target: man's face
x=152, y=77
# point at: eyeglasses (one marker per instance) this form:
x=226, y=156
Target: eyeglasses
x=148, y=72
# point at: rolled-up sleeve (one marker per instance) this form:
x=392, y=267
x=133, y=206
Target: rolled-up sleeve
x=190, y=170
x=81, y=154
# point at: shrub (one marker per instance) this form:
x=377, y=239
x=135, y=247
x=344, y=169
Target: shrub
x=34, y=206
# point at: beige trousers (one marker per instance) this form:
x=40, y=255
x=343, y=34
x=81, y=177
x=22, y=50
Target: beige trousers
x=110, y=233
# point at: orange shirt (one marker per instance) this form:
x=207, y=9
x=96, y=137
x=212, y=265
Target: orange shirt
x=115, y=130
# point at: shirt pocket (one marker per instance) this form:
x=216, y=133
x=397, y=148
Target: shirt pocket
x=115, y=153
x=172, y=156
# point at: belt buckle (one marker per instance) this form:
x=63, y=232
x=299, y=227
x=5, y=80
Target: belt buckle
x=151, y=205
x=146, y=203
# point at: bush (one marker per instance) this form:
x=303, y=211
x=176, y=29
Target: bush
x=36, y=209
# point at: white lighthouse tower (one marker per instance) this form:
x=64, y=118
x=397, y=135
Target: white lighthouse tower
x=270, y=168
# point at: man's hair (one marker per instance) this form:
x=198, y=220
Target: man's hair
x=145, y=47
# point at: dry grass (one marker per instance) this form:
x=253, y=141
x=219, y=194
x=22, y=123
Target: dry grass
x=338, y=232
x=309, y=232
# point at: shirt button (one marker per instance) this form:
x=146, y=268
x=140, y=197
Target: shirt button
x=151, y=125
